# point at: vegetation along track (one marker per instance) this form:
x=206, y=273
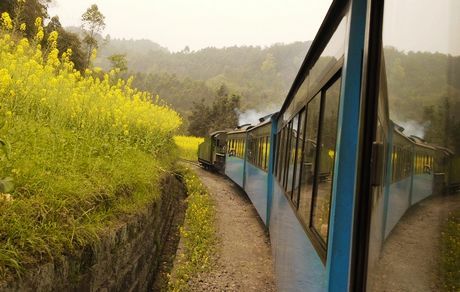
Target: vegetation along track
x=242, y=261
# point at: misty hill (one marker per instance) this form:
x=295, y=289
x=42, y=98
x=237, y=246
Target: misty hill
x=262, y=76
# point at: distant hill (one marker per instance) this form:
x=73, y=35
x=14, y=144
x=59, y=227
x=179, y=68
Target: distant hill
x=262, y=76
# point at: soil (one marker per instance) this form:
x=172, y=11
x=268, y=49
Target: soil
x=243, y=261
x=410, y=257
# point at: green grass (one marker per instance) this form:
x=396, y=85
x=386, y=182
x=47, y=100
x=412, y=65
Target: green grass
x=450, y=253
x=198, y=234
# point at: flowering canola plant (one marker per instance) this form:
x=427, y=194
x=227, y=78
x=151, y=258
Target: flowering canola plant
x=188, y=146
x=82, y=149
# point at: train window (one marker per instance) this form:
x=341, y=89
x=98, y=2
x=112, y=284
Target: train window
x=322, y=195
x=238, y=151
x=260, y=152
x=307, y=173
x=298, y=158
x=282, y=153
x=263, y=150
x=291, y=155
x=287, y=154
x=267, y=152
x=277, y=146
x=237, y=147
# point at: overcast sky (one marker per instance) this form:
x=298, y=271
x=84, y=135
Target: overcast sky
x=202, y=23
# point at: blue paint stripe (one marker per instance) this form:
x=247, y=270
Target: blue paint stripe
x=345, y=176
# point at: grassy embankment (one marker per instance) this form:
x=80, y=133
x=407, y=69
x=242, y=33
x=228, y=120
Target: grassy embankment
x=79, y=150
x=450, y=253
x=198, y=232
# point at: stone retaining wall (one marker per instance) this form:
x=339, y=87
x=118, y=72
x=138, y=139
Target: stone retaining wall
x=125, y=259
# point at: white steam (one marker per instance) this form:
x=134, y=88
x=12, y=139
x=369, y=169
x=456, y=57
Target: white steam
x=412, y=127
x=252, y=116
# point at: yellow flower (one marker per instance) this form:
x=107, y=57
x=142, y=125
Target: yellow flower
x=23, y=27
x=94, y=54
x=40, y=35
x=38, y=22
x=52, y=39
x=6, y=21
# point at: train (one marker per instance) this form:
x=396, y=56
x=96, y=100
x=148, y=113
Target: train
x=333, y=174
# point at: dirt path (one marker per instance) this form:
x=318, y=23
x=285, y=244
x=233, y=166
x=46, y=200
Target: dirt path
x=243, y=260
x=410, y=257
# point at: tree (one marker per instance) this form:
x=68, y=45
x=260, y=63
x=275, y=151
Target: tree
x=118, y=61
x=199, y=120
x=222, y=115
x=67, y=40
x=93, y=23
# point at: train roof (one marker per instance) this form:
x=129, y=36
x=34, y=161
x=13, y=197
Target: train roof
x=446, y=151
x=216, y=133
x=263, y=121
x=412, y=138
x=241, y=129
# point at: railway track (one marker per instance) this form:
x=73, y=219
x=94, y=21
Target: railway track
x=190, y=162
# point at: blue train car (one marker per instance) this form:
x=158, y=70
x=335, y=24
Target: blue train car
x=256, y=167
x=235, y=159
x=353, y=201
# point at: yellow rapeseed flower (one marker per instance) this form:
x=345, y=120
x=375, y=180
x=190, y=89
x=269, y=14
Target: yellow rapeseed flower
x=23, y=27
x=40, y=35
x=6, y=21
x=38, y=22
x=52, y=39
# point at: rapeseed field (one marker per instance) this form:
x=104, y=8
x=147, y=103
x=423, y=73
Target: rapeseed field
x=77, y=149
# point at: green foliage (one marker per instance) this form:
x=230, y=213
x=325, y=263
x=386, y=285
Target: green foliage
x=450, y=253
x=179, y=93
x=262, y=76
x=118, y=62
x=425, y=79
x=221, y=115
x=198, y=234
x=93, y=23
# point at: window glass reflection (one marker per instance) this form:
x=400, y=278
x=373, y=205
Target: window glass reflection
x=322, y=195
x=415, y=221
x=309, y=159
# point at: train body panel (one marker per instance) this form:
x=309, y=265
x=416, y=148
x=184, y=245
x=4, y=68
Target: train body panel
x=205, y=151
x=422, y=187
x=297, y=264
x=256, y=170
x=256, y=185
x=398, y=201
x=234, y=169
